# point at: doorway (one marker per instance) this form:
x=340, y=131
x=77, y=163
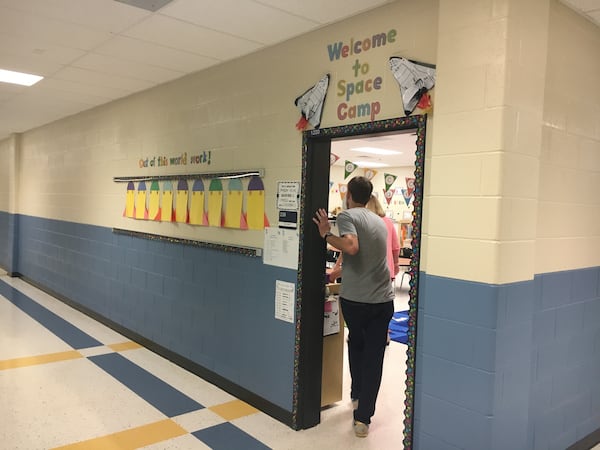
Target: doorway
x=316, y=158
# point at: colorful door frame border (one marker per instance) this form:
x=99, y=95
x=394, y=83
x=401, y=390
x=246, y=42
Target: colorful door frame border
x=309, y=311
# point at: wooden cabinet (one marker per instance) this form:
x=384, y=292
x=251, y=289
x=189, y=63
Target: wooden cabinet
x=332, y=376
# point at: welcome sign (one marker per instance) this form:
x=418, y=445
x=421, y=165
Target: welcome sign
x=352, y=90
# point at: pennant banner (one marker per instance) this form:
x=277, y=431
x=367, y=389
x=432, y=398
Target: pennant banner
x=349, y=167
x=388, y=195
x=370, y=174
x=389, y=180
x=406, y=195
x=410, y=185
x=343, y=190
x=333, y=158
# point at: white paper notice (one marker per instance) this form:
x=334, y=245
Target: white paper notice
x=288, y=195
x=284, y=300
x=281, y=247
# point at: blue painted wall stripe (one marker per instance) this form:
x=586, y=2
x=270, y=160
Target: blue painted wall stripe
x=518, y=362
x=186, y=299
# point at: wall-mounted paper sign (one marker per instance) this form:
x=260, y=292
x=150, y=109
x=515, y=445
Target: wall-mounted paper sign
x=281, y=247
x=285, y=295
x=288, y=195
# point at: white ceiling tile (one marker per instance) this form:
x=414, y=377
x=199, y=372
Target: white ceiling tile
x=24, y=63
x=36, y=53
x=45, y=93
x=102, y=93
x=134, y=49
x=325, y=11
x=185, y=36
x=84, y=76
x=7, y=90
x=157, y=55
x=121, y=67
x=584, y=5
x=40, y=29
x=104, y=15
x=244, y=18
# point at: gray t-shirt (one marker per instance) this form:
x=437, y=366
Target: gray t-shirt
x=365, y=276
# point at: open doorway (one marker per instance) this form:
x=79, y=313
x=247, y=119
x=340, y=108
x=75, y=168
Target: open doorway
x=316, y=188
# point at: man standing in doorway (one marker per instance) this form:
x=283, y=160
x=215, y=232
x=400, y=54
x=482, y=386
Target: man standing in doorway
x=367, y=296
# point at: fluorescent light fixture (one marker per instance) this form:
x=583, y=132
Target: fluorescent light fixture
x=370, y=164
x=24, y=79
x=375, y=151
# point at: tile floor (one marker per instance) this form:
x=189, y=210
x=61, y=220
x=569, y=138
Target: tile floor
x=69, y=382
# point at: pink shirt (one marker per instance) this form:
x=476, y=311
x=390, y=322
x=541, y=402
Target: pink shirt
x=393, y=245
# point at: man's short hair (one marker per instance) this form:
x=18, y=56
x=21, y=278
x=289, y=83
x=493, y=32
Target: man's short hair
x=360, y=188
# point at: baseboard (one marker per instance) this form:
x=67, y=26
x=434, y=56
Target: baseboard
x=237, y=391
x=587, y=442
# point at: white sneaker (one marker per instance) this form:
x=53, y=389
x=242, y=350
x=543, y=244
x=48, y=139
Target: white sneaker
x=361, y=429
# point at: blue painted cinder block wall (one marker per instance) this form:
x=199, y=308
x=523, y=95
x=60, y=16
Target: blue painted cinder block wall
x=513, y=366
x=215, y=308
x=4, y=239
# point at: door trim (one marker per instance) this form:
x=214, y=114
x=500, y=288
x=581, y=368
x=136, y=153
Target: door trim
x=311, y=266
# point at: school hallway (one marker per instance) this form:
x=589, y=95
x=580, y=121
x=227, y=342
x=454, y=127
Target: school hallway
x=67, y=381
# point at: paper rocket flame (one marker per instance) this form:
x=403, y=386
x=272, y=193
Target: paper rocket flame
x=311, y=103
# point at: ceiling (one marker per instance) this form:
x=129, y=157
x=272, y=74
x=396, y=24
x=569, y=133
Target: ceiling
x=94, y=51
x=403, y=142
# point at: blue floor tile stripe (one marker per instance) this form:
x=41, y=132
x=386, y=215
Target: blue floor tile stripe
x=57, y=325
x=152, y=389
x=226, y=436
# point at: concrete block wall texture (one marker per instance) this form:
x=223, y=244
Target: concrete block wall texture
x=496, y=265
x=243, y=112
x=567, y=231
x=211, y=307
x=538, y=380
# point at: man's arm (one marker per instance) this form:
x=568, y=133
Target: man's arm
x=347, y=243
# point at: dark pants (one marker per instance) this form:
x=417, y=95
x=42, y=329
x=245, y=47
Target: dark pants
x=367, y=337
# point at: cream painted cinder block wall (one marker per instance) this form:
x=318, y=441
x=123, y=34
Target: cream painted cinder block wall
x=486, y=140
x=5, y=157
x=464, y=178
x=568, y=226
x=8, y=173
x=242, y=111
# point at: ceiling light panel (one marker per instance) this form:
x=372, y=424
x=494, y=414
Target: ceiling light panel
x=23, y=79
